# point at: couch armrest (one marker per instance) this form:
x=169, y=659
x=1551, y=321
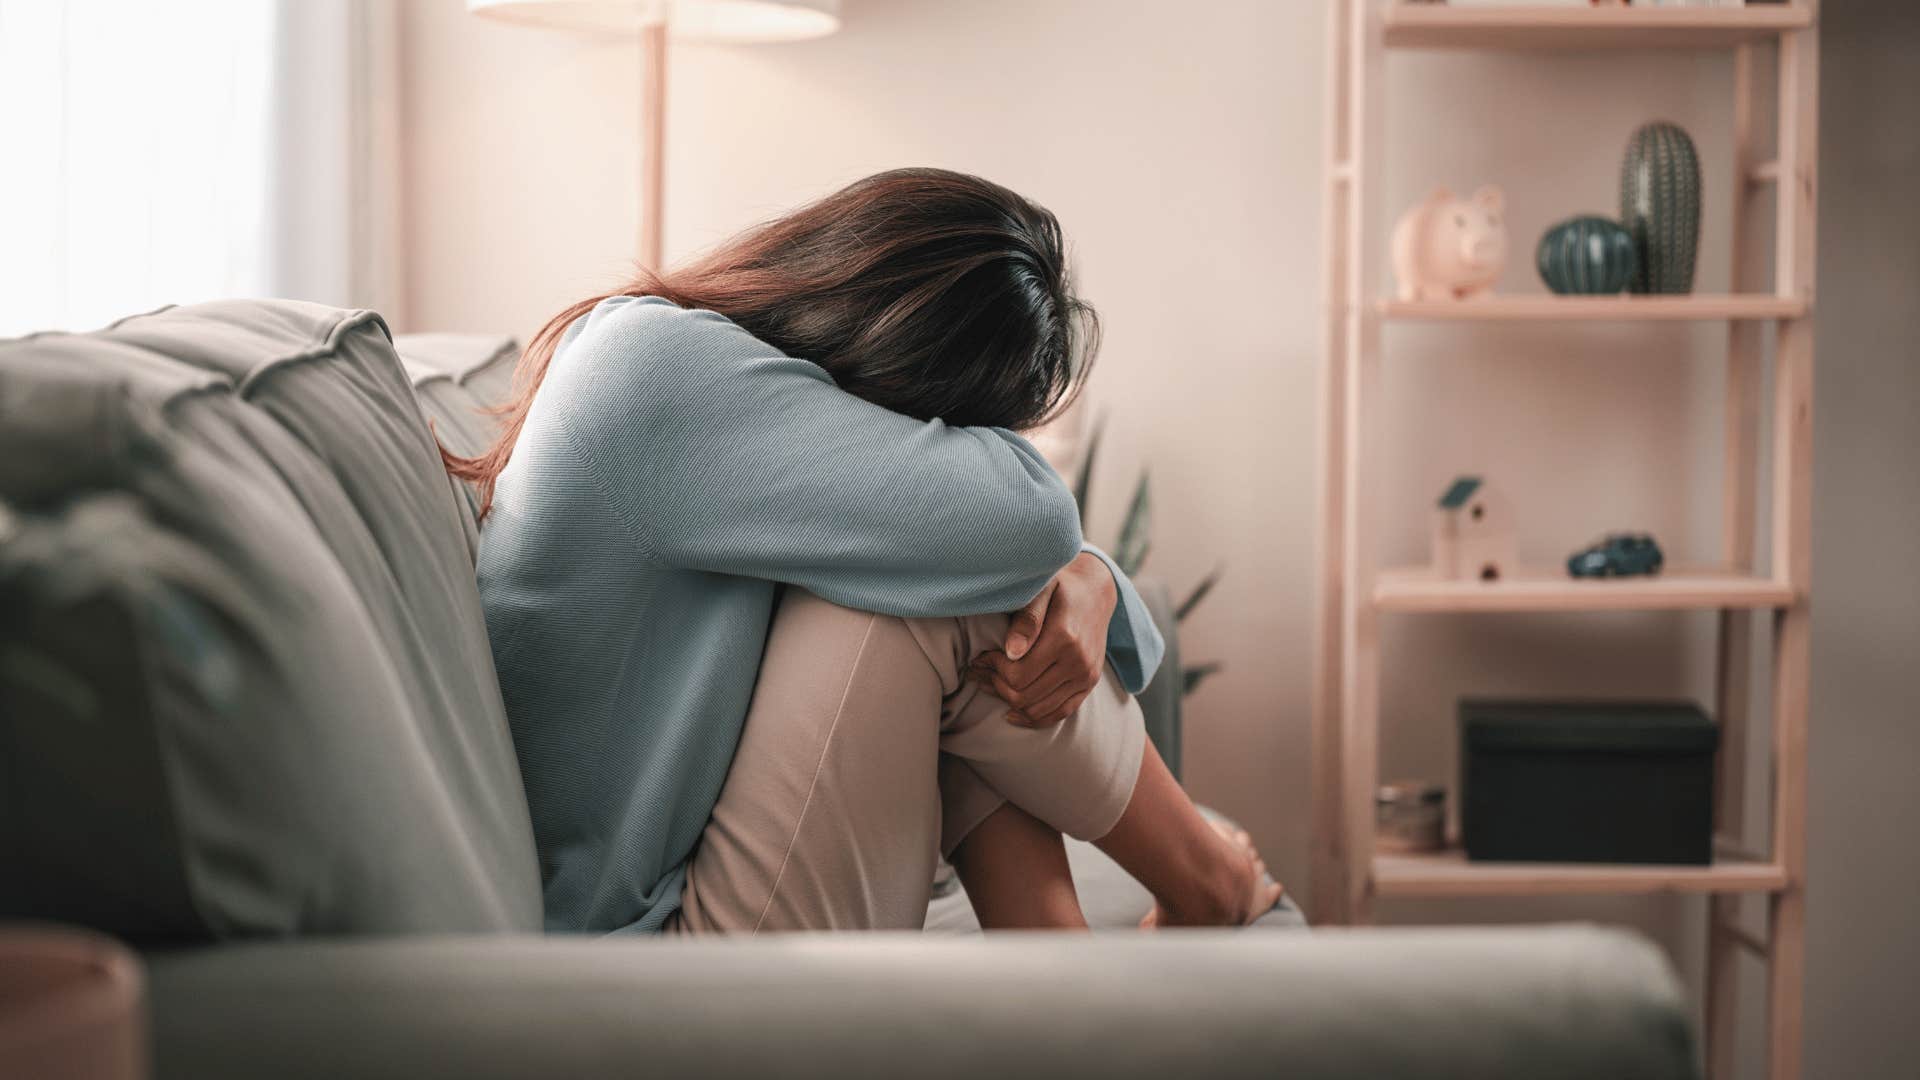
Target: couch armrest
x=1564, y=1002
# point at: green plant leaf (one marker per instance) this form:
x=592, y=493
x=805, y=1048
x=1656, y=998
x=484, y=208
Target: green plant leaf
x=1198, y=594
x=1190, y=677
x=1083, y=483
x=1134, y=538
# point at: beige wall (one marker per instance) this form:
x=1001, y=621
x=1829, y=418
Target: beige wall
x=1182, y=154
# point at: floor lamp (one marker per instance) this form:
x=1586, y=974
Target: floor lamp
x=739, y=22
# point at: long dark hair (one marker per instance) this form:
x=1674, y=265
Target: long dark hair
x=928, y=292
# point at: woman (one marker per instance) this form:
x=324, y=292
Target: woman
x=825, y=403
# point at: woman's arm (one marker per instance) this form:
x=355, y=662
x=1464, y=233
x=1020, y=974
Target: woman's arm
x=1051, y=661
x=728, y=457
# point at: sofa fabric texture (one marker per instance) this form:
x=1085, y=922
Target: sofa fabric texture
x=245, y=684
x=1566, y=1003
x=458, y=379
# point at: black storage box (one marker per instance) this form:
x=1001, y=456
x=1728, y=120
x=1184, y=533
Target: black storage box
x=1586, y=781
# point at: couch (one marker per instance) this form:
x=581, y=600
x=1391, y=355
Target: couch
x=249, y=725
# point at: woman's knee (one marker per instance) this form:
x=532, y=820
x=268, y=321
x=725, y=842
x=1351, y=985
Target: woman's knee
x=950, y=644
x=946, y=645
x=862, y=654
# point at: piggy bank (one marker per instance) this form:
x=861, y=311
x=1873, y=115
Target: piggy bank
x=1448, y=248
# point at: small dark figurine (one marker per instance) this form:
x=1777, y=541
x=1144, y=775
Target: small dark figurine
x=1617, y=555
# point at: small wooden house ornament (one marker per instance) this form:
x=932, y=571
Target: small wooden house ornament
x=1473, y=532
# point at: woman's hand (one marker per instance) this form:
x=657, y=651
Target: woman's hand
x=1056, y=646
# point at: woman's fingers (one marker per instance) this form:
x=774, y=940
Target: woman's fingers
x=1067, y=708
x=1049, y=710
x=1038, y=704
x=1020, y=698
x=1023, y=680
x=1026, y=671
x=1058, y=652
x=1054, y=698
x=1029, y=622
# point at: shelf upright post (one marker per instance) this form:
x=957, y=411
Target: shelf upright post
x=1734, y=650
x=1360, y=630
x=1797, y=199
x=1328, y=851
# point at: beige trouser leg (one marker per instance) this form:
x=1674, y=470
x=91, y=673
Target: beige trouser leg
x=866, y=752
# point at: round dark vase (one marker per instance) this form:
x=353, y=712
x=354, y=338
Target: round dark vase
x=1660, y=207
x=1586, y=256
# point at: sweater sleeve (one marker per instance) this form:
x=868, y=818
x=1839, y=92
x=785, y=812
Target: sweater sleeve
x=1134, y=645
x=725, y=456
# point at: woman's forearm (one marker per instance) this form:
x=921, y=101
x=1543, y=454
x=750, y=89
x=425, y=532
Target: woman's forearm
x=732, y=460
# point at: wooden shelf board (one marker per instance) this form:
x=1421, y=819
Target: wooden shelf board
x=1448, y=873
x=1696, y=307
x=1415, y=589
x=1439, y=26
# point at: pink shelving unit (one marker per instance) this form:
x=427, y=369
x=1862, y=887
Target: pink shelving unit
x=1356, y=592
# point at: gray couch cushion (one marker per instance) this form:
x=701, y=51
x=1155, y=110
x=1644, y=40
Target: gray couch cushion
x=458, y=379
x=245, y=686
x=1550, y=1003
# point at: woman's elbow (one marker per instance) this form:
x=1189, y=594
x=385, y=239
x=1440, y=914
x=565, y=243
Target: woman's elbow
x=1057, y=537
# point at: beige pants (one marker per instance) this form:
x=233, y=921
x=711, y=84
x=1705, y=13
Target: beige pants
x=865, y=752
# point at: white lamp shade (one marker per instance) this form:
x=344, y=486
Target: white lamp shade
x=605, y=16
x=728, y=21
x=749, y=22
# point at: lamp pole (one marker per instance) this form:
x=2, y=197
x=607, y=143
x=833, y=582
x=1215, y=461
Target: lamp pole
x=735, y=21
x=653, y=142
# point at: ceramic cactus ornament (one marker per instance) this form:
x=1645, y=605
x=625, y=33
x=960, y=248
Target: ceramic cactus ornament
x=1449, y=248
x=1660, y=207
x=1586, y=256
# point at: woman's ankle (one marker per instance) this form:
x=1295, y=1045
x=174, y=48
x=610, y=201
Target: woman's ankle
x=1213, y=892
x=1196, y=875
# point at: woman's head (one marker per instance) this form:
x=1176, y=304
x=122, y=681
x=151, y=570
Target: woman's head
x=931, y=293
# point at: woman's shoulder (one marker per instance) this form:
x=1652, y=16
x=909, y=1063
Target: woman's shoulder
x=635, y=361
x=653, y=328
x=647, y=341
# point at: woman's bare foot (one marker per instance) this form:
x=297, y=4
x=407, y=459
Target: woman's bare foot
x=1201, y=873
x=1240, y=892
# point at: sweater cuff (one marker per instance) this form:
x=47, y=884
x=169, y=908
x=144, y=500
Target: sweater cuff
x=1134, y=645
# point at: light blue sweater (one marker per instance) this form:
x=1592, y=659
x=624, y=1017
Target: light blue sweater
x=673, y=470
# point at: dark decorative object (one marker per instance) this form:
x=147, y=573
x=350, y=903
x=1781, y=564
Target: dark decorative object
x=1586, y=256
x=1660, y=207
x=1622, y=782
x=1617, y=555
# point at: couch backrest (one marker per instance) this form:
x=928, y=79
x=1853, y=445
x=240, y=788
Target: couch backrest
x=457, y=378
x=245, y=686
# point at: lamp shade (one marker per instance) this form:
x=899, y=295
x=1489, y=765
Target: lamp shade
x=605, y=16
x=728, y=21
x=749, y=22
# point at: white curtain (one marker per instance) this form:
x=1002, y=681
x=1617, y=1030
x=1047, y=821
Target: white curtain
x=155, y=153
